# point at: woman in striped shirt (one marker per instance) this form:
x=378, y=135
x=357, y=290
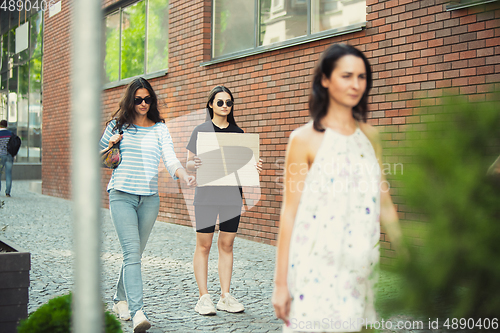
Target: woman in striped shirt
x=133, y=188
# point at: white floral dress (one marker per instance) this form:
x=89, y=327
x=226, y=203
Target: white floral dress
x=334, y=249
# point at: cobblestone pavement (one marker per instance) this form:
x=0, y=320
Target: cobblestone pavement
x=42, y=225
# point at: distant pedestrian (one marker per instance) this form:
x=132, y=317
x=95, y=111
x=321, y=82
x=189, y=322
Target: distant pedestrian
x=6, y=159
x=335, y=198
x=133, y=188
x=213, y=201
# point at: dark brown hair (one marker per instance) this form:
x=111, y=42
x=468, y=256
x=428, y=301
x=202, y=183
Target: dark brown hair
x=125, y=114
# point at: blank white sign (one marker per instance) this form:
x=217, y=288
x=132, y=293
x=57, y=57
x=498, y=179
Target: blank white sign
x=228, y=159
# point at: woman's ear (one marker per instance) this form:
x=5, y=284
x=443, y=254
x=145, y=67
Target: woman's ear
x=325, y=82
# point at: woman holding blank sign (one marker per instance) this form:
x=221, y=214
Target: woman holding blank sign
x=212, y=201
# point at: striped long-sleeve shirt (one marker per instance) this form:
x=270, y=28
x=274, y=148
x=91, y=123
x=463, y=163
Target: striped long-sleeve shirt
x=141, y=149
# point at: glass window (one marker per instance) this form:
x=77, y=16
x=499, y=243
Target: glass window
x=331, y=14
x=112, y=47
x=157, y=35
x=133, y=38
x=282, y=20
x=4, y=47
x=21, y=85
x=460, y=4
x=12, y=84
x=36, y=34
x=35, y=111
x=23, y=39
x=12, y=44
x=4, y=22
x=136, y=40
x=233, y=26
x=3, y=96
x=22, y=111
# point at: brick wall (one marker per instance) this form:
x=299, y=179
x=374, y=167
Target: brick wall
x=417, y=50
x=56, y=122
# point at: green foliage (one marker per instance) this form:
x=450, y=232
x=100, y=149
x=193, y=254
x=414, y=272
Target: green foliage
x=455, y=268
x=112, y=58
x=133, y=39
x=55, y=317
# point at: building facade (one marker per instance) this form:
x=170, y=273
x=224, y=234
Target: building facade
x=265, y=52
x=21, y=54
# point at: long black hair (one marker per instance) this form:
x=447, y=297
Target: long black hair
x=211, y=97
x=319, y=98
x=125, y=114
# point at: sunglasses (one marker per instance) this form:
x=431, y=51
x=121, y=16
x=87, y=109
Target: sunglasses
x=138, y=100
x=229, y=103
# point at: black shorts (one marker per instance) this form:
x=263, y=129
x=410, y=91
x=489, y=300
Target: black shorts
x=206, y=216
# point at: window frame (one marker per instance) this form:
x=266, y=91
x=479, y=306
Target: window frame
x=118, y=7
x=258, y=49
x=460, y=4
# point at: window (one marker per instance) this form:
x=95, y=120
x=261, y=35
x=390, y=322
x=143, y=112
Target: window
x=136, y=40
x=460, y=4
x=246, y=26
x=21, y=83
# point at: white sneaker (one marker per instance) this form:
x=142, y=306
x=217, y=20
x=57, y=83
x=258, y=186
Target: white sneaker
x=141, y=322
x=205, y=306
x=230, y=304
x=121, y=309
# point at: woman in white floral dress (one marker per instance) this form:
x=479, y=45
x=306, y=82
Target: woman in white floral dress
x=335, y=198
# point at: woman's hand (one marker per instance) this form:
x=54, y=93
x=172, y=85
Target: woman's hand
x=190, y=180
x=258, y=165
x=181, y=173
x=114, y=139
x=281, y=302
x=197, y=162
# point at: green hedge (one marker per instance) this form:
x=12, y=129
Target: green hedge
x=453, y=238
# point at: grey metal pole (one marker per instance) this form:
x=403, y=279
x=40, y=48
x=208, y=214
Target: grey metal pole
x=86, y=176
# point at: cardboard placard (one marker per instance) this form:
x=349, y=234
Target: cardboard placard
x=228, y=159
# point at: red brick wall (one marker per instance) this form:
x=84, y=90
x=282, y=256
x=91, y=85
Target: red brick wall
x=56, y=122
x=417, y=50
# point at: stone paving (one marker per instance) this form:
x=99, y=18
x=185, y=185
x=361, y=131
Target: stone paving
x=42, y=225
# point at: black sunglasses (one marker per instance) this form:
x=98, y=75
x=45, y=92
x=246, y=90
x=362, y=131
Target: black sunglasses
x=138, y=100
x=229, y=103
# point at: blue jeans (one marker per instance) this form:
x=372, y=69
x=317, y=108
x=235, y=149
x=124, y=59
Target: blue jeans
x=7, y=161
x=133, y=217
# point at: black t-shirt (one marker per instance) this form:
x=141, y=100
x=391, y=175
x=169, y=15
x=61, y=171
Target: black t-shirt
x=215, y=195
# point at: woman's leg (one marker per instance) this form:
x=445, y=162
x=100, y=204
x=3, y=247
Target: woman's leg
x=147, y=212
x=200, y=260
x=206, y=217
x=225, y=245
x=229, y=220
x=149, y=206
x=133, y=217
